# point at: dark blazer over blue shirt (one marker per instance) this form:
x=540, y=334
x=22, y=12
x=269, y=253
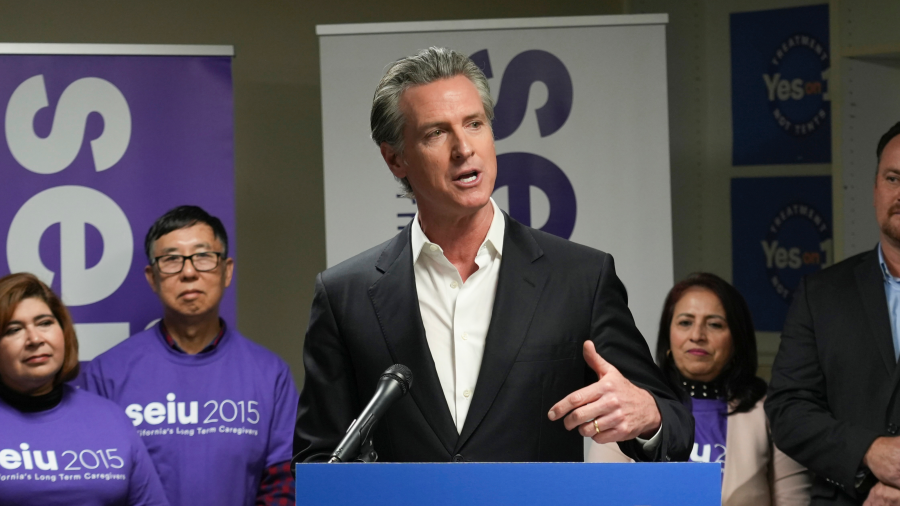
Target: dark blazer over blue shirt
x=834, y=386
x=552, y=295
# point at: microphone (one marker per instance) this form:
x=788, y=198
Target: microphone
x=392, y=385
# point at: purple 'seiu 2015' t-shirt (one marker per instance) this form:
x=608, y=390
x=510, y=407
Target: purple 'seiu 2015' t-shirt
x=710, y=430
x=212, y=422
x=82, y=451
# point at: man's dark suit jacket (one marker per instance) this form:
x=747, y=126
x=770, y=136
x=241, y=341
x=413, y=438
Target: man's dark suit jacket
x=552, y=295
x=834, y=381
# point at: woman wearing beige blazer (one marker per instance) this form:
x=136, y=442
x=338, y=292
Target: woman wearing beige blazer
x=707, y=348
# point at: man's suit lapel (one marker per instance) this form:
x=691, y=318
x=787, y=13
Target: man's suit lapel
x=396, y=305
x=519, y=287
x=870, y=283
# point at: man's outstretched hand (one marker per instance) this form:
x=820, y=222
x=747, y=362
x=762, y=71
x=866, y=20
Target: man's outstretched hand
x=612, y=409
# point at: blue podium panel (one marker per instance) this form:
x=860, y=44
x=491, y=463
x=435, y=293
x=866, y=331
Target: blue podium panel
x=471, y=484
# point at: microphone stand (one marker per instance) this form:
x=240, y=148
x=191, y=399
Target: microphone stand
x=367, y=453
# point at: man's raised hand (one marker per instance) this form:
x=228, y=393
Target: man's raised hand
x=612, y=409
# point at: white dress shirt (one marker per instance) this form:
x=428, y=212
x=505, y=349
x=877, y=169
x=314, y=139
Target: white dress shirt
x=457, y=315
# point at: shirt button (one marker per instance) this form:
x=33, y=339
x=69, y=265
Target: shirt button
x=467, y=394
x=465, y=336
x=433, y=247
x=453, y=284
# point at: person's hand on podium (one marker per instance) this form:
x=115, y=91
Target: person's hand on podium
x=612, y=409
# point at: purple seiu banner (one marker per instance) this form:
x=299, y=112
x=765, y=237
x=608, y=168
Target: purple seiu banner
x=95, y=149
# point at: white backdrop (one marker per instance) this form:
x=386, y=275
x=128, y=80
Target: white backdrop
x=612, y=146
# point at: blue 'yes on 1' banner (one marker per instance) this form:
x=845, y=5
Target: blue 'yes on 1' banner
x=781, y=231
x=780, y=108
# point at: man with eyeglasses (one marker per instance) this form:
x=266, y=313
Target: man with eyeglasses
x=215, y=410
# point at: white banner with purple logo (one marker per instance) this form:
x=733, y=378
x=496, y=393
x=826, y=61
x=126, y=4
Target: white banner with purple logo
x=581, y=133
x=98, y=142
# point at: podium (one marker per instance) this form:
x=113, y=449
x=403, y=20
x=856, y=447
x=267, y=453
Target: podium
x=476, y=484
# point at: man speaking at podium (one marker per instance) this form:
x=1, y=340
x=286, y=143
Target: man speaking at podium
x=500, y=324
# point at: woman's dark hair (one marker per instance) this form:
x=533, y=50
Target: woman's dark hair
x=743, y=389
x=15, y=288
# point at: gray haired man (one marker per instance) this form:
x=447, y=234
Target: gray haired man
x=520, y=342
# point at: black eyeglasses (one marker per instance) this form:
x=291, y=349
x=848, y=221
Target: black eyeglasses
x=202, y=262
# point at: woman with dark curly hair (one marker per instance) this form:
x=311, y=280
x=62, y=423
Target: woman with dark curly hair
x=58, y=444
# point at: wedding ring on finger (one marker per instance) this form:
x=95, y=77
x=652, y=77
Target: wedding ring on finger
x=596, y=427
